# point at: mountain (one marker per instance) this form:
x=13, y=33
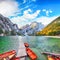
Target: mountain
x=7, y=27
x=32, y=28
x=52, y=29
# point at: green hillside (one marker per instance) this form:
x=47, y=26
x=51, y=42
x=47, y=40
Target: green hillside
x=52, y=29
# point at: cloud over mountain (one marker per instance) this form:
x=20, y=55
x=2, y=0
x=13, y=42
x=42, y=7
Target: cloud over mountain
x=25, y=17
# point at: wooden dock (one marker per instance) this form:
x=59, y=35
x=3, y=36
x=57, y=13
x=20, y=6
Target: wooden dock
x=21, y=50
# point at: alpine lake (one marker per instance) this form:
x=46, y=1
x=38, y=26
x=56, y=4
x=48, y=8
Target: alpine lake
x=38, y=44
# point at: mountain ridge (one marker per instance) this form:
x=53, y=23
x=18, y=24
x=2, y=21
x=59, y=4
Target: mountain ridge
x=8, y=28
x=51, y=29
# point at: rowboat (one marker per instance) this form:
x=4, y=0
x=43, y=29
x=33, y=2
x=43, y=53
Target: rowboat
x=26, y=44
x=7, y=55
x=52, y=56
x=31, y=54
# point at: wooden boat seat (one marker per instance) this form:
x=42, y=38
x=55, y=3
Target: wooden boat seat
x=16, y=58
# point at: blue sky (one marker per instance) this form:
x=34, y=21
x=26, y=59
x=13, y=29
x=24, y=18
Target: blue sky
x=24, y=12
x=34, y=5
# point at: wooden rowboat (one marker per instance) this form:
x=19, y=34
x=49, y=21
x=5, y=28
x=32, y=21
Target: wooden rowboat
x=52, y=56
x=26, y=44
x=31, y=54
x=8, y=55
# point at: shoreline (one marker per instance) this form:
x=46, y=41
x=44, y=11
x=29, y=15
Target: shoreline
x=53, y=36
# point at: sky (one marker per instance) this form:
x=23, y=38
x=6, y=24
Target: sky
x=22, y=12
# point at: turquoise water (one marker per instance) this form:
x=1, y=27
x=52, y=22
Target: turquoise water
x=37, y=43
x=43, y=44
x=8, y=43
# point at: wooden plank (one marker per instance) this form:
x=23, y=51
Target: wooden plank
x=21, y=50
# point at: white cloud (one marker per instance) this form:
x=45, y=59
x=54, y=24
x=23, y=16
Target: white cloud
x=20, y=20
x=24, y=1
x=30, y=16
x=29, y=1
x=46, y=20
x=44, y=10
x=8, y=7
x=47, y=11
x=34, y=0
x=51, y=11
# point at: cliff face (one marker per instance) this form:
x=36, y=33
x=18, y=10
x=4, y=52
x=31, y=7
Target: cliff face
x=32, y=28
x=7, y=27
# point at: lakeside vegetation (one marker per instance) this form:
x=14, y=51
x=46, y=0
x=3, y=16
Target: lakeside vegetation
x=53, y=29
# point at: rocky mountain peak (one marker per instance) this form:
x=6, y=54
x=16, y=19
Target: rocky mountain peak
x=7, y=27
